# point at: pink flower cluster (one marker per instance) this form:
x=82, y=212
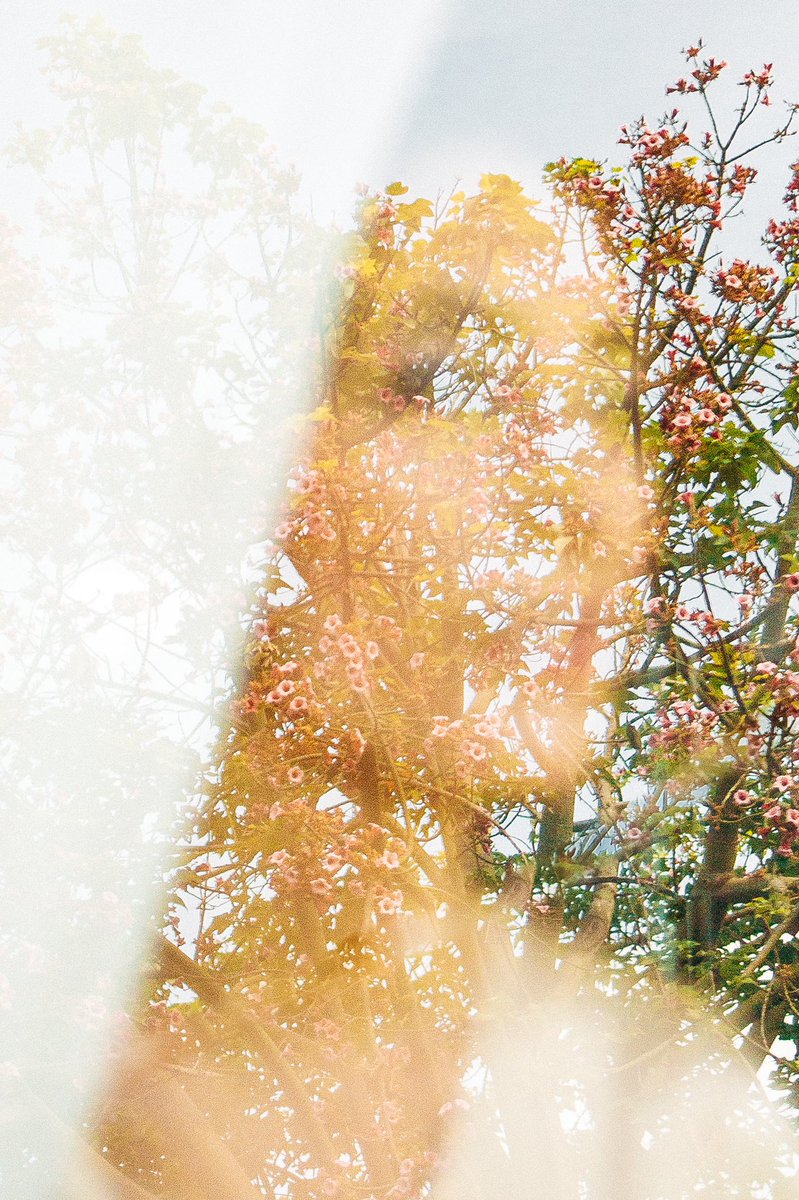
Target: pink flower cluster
x=292, y=697
x=313, y=516
x=782, y=687
x=598, y=188
x=380, y=213
x=291, y=870
x=691, y=413
x=783, y=818
x=658, y=609
x=506, y=394
x=706, y=73
x=760, y=79
x=523, y=439
x=392, y=400
x=650, y=144
x=345, y=648
x=388, y=902
x=744, y=283
x=782, y=237
x=684, y=728
x=471, y=739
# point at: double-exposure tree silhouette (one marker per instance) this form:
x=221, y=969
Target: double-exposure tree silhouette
x=501, y=836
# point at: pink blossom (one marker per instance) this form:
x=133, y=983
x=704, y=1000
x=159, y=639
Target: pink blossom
x=296, y=775
x=348, y=646
x=388, y=903
x=474, y=751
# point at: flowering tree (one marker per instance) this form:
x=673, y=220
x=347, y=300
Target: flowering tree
x=512, y=770
x=519, y=707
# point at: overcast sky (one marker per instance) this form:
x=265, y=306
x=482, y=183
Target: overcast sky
x=429, y=90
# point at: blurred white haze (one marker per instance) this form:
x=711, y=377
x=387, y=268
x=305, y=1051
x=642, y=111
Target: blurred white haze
x=428, y=92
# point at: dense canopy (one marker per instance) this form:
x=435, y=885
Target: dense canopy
x=519, y=713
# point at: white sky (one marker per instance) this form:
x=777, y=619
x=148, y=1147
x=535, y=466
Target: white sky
x=427, y=90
